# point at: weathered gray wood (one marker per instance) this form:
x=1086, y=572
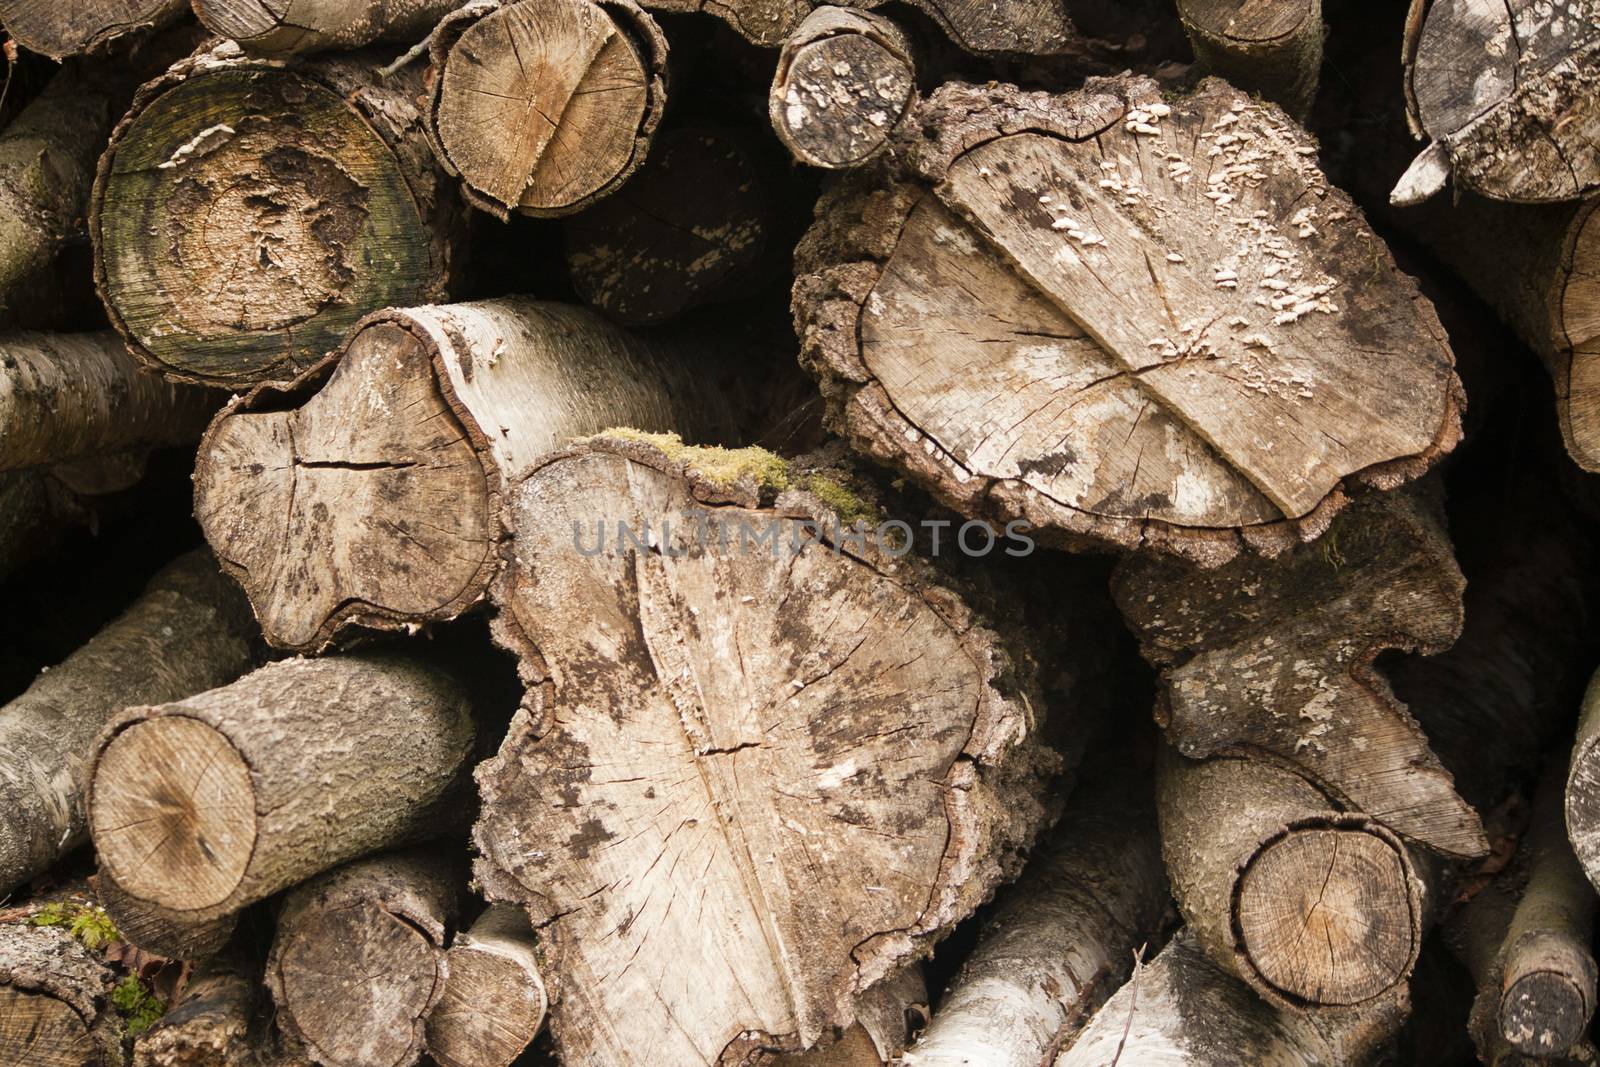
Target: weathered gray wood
x=59, y=30
x=287, y=27
x=1272, y=48
x=1583, y=785
x=55, y=1008
x=1141, y=322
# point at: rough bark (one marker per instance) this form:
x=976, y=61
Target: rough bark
x=60, y=30
x=690, y=228
x=545, y=108
x=1063, y=938
x=248, y=212
x=359, y=960
x=332, y=517
x=494, y=1002
x=1181, y=1010
x=288, y=27
x=1508, y=94
x=1274, y=49
x=844, y=83
x=213, y=1025
x=840, y=754
x=1082, y=309
x=1314, y=907
x=67, y=396
x=1276, y=656
x=190, y=630
x=55, y=1008
x=212, y=803
x=176, y=935
x=1583, y=785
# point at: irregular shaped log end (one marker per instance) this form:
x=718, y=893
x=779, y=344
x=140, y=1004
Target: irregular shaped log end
x=495, y=1000
x=173, y=812
x=1544, y=1012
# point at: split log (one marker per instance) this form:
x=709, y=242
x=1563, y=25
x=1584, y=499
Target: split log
x=248, y=212
x=1087, y=323
x=1272, y=49
x=1583, y=785
x=55, y=1003
x=544, y=108
x=1181, y=1010
x=844, y=84
x=1509, y=96
x=494, y=1002
x=287, y=28
x=359, y=961
x=1314, y=907
x=190, y=630
x=691, y=228
x=67, y=396
x=84, y=26
x=213, y=1025
x=215, y=802
x=1063, y=938
x=837, y=748
x=330, y=519
x=177, y=935
x=1276, y=656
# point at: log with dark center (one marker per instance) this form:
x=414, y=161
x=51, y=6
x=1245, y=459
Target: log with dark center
x=359, y=960
x=844, y=83
x=1508, y=94
x=545, y=107
x=285, y=27
x=212, y=803
x=1088, y=322
x=55, y=1008
x=494, y=1002
x=1271, y=47
x=829, y=745
x=334, y=513
x=247, y=213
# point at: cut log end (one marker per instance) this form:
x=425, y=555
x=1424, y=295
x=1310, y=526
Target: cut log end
x=1325, y=915
x=1544, y=1012
x=494, y=1001
x=1577, y=340
x=38, y=1030
x=80, y=26
x=186, y=839
x=544, y=108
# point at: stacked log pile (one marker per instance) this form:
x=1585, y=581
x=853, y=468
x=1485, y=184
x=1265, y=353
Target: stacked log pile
x=791, y=534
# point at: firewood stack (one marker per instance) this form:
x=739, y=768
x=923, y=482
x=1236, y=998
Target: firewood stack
x=634, y=532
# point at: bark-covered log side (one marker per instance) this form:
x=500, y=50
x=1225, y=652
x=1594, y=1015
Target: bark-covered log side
x=59, y=30
x=1583, y=785
x=333, y=513
x=1063, y=937
x=248, y=212
x=359, y=961
x=212, y=803
x=1312, y=906
x=1272, y=49
x=494, y=1001
x=189, y=631
x=844, y=84
x=177, y=935
x=55, y=1005
x=1081, y=310
x=1508, y=94
x=840, y=753
x=1276, y=656
x=68, y=396
x=545, y=107
x=294, y=26
x=214, y=1025
x=1181, y=1010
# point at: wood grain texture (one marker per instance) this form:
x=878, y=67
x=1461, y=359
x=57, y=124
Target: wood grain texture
x=176, y=935
x=59, y=30
x=289, y=27
x=55, y=1006
x=214, y=1023
x=1092, y=322
x=745, y=787
x=1273, y=47
x=494, y=1002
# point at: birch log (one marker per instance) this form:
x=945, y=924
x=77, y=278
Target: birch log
x=289, y=27
x=248, y=212
x=842, y=755
x=188, y=631
x=331, y=517
x=1086, y=324
x=1508, y=94
x=544, y=108
x=1273, y=49
x=1276, y=656
x=55, y=1003
x=1063, y=938
x=358, y=961
x=494, y=1002
x=212, y=803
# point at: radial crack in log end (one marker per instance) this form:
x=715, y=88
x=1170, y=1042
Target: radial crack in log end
x=283, y=27
x=368, y=493
x=746, y=784
x=1122, y=319
x=1512, y=92
x=545, y=107
x=247, y=213
x=1276, y=656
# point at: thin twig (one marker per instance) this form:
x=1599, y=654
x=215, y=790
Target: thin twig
x=1133, y=999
